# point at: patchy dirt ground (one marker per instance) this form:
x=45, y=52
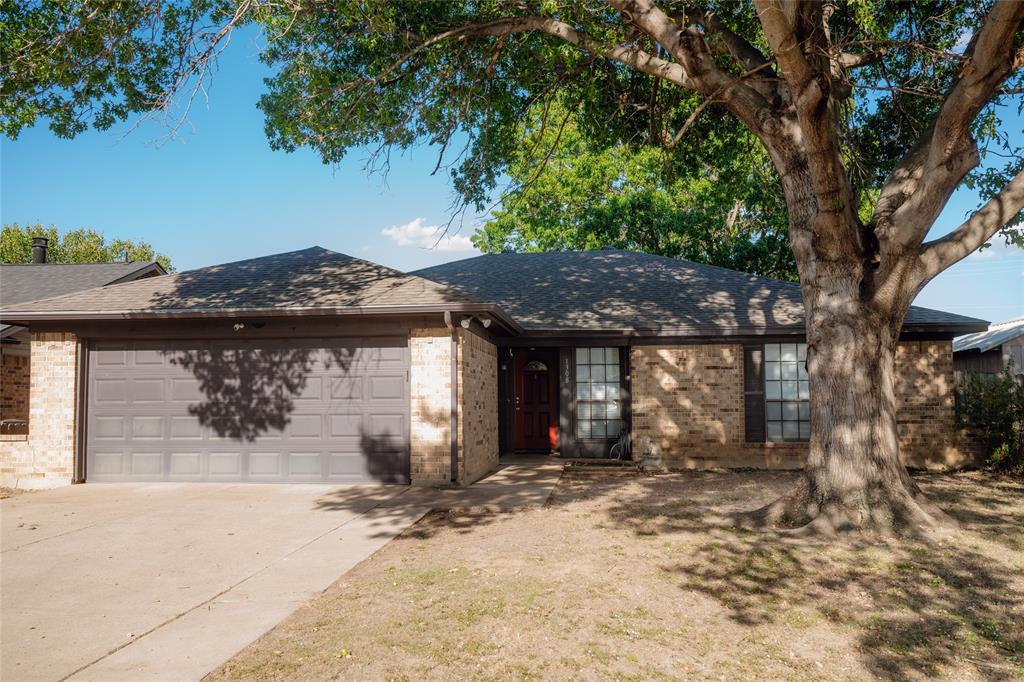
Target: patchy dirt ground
x=6, y=492
x=628, y=577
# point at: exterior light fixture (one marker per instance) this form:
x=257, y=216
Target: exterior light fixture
x=486, y=322
x=239, y=326
x=466, y=321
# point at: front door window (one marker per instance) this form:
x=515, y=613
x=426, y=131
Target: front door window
x=598, y=393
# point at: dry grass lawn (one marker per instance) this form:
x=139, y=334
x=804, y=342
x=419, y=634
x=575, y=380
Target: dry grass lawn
x=642, y=577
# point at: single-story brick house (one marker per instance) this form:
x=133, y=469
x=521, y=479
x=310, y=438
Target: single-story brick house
x=316, y=366
x=32, y=281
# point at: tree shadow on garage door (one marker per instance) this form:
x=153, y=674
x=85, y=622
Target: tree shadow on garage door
x=250, y=390
x=245, y=394
x=247, y=389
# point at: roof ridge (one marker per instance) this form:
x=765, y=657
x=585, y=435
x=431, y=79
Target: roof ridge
x=605, y=250
x=112, y=262
x=1005, y=323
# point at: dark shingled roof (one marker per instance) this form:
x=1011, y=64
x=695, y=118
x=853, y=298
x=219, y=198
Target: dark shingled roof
x=31, y=282
x=613, y=290
x=311, y=279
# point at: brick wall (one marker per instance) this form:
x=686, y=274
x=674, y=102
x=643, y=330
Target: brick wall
x=14, y=386
x=478, y=406
x=689, y=401
x=430, y=393
x=47, y=457
x=929, y=437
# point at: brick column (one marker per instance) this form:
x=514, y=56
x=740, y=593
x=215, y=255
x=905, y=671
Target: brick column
x=478, y=406
x=430, y=394
x=47, y=458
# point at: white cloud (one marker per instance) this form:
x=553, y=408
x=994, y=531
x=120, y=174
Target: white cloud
x=999, y=250
x=416, y=233
x=986, y=254
x=963, y=40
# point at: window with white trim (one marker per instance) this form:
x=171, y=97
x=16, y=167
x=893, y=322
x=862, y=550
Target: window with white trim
x=786, y=392
x=598, y=393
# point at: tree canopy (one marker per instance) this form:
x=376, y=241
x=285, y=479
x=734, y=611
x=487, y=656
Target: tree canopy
x=720, y=206
x=464, y=75
x=74, y=246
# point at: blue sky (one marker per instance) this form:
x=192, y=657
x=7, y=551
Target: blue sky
x=218, y=193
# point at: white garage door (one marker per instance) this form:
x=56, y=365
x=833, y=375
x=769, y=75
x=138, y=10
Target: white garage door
x=260, y=411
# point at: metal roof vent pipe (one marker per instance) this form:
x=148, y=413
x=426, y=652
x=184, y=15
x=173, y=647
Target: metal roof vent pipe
x=39, y=249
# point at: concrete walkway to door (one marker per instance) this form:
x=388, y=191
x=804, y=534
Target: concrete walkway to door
x=167, y=581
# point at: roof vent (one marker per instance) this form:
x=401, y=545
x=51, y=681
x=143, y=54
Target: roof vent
x=39, y=249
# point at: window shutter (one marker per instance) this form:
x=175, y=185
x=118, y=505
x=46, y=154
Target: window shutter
x=753, y=393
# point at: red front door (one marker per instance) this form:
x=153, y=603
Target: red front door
x=536, y=399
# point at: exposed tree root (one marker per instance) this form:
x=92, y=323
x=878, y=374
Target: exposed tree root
x=893, y=511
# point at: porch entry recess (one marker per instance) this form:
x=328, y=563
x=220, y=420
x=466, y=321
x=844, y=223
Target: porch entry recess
x=570, y=399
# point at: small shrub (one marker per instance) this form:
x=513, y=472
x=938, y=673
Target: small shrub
x=993, y=407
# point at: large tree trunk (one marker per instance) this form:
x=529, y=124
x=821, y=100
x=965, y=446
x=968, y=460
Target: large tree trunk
x=854, y=479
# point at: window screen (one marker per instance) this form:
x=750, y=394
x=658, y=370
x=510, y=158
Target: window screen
x=786, y=392
x=598, y=393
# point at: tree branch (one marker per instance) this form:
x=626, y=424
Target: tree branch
x=690, y=49
x=626, y=54
x=691, y=119
x=782, y=36
x=854, y=60
x=938, y=255
x=921, y=183
x=729, y=42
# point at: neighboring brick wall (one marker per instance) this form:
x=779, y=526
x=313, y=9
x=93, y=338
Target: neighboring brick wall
x=689, y=401
x=478, y=406
x=47, y=457
x=430, y=394
x=929, y=437
x=14, y=386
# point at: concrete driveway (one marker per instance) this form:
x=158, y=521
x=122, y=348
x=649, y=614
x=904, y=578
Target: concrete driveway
x=166, y=581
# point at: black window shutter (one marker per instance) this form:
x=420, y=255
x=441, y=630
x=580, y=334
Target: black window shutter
x=753, y=393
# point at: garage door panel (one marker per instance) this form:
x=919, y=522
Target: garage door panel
x=147, y=464
x=346, y=465
x=225, y=464
x=111, y=356
x=390, y=426
x=312, y=390
x=148, y=428
x=269, y=436
x=347, y=388
x=147, y=390
x=341, y=425
x=393, y=357
x=265, y=464
x=111, y=391
x=335, y=411
x=306, y=427
x=108, y=428
x=305, y=464
x=387, y=387
x=185, y=428
x=148, y=357
x=186, y=390
x=188, y=464
x=107, y=462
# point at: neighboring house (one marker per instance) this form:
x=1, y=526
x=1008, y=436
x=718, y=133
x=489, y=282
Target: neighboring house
x=316, y=366
x=988, y=352
x=20, y=283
